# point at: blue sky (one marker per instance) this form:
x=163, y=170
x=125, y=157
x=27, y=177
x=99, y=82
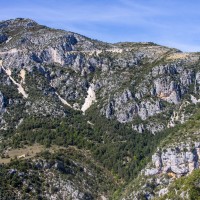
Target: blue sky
x=174, y=23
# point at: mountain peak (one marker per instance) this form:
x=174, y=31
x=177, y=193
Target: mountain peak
x=25, y=22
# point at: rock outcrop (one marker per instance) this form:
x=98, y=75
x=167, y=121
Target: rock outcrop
x=167, y=164
x=180, y=160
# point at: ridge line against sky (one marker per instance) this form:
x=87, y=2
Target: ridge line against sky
x=173, y=23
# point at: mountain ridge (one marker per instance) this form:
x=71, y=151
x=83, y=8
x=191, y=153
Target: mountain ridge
x=115, y=104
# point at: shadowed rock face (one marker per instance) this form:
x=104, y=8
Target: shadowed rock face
x=2, y=103
x=3, y=38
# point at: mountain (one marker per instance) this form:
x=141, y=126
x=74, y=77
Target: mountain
x=85, y=119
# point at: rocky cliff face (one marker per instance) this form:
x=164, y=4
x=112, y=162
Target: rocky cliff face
x=167, y=165
x=163, y=74
x=180, y=161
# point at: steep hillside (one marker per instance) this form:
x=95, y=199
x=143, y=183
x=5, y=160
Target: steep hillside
x=172, y=166
x=106, y=107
